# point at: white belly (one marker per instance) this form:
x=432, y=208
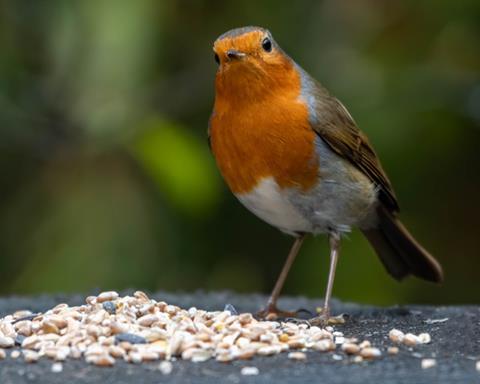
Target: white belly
x=272, y=205
x=342, y=198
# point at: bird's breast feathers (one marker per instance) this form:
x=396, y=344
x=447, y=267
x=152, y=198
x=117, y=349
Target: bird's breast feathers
x=270, y=138
x=289, y=177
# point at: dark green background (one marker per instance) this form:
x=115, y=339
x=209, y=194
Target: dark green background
x=106, y=179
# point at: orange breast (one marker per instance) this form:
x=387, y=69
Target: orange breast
x=266, y=138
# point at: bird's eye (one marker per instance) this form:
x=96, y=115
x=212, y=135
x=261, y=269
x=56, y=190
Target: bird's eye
x=217, y=59
x=267, y=44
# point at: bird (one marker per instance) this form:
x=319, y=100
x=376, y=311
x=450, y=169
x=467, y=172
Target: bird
x=293, y=155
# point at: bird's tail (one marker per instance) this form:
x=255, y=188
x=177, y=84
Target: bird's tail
x=399, y=251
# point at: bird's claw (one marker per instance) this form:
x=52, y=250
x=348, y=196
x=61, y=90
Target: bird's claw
x=273, y=313
x=298, y=321
x=324, y=319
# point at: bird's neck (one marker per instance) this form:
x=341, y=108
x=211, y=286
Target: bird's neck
x=241, y=87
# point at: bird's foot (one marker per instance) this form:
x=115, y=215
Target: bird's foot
x=323, y=319
x=272, y=313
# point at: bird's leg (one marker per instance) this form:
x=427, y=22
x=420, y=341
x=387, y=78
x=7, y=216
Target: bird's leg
x=271, y=311
x=324, y=317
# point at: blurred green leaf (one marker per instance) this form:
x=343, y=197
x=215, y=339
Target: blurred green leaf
x=180, y=164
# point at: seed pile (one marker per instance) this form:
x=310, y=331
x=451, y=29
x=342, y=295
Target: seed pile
x=138, y=329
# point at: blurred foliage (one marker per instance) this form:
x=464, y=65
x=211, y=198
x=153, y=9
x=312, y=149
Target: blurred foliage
x=180, y=165
x=105, y=175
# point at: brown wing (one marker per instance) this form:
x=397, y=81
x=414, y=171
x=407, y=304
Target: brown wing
x=336, y=127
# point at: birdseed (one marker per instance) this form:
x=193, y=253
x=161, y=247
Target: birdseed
x=56, y=367
x=392, y=350
x=249, y=371
x=396, y=336
x=165, y=367
x=6, y=342
x=370, y=353
x=110, y=307
x=137, y=329
x=409, y=339
x=297, y=356
x=424, y=338
x=428, y=363
x=350, y=348
x=358, y=359
x=30, y=356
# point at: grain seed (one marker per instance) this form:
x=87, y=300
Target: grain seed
x=165, y=367
x=56, y=367
x=392, y=350
x=370, y=353
x=424, y=338
x=249, y=371
x=297, y=356
x=428, y=363
x=107, y=296
x=411, y=340
x=350, y=348
x=6, y=342
x=396, y=336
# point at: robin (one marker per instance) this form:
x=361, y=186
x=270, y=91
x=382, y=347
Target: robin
x=293, y=155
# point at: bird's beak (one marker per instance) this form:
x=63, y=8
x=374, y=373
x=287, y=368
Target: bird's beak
x=233, y=54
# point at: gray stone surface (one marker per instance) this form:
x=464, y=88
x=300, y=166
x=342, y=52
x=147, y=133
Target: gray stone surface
x=455, y=344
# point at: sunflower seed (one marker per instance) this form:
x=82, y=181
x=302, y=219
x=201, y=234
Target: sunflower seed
x=130, y=338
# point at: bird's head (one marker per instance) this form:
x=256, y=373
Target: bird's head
x=250, y=63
